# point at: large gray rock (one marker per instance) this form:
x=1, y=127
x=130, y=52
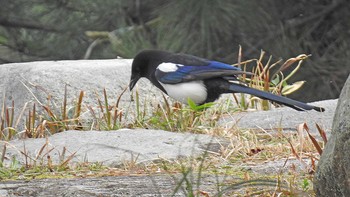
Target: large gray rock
x=35, y=82
x=284, y=118
x=333, y=171
x=124, y=185
x=111, y=148
x=48, y=78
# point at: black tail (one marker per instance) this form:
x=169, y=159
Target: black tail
x=297, y=105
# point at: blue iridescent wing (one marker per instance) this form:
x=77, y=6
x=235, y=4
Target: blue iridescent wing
x=184, y=73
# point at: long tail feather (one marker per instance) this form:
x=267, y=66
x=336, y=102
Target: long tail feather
x=297, y=105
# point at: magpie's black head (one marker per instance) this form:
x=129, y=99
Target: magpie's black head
x=145, y=64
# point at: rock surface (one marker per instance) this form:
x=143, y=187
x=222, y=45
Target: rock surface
x=22, y=81
x=284, y=118
x=107, y=186
x=111, y=148
x=333, y=171
x=116, y=186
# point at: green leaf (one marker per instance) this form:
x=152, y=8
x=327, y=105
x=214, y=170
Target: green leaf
x=284, y=83
x=276, y=80
x=288, y=89
x=192, y=104
x=196, y=107
x=3, y=40
x=205, y=106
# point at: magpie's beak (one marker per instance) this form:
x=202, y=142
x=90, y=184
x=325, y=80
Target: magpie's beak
x=133, y=81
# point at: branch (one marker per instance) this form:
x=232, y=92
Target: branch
x=25, y=24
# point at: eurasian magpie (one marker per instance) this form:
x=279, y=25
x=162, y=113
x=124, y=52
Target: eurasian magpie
x=183, y=76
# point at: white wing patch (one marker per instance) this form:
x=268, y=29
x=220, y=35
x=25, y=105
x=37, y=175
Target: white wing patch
x=195, y=90
x=168, y=67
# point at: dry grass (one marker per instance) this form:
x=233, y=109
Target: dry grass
x=246, y=149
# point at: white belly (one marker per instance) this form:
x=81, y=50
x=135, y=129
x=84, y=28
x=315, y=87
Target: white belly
x=195, y=90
